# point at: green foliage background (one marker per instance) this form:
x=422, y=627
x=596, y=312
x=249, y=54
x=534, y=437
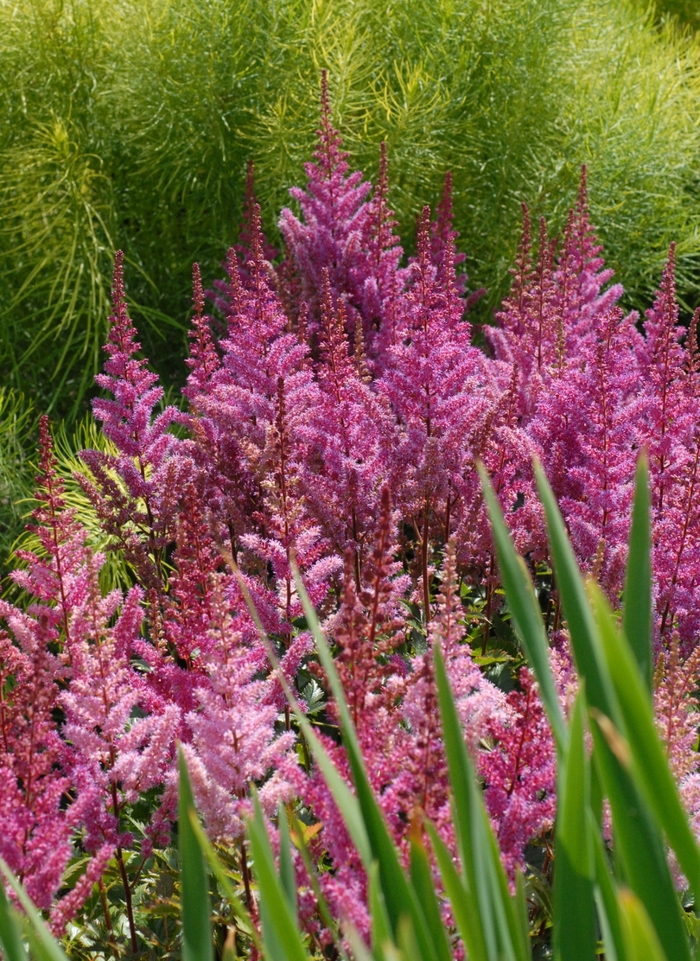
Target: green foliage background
x=128, y=124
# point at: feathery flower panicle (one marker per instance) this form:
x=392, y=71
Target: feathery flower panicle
x=335, y=212
x=672, y=433
x=581, y=275
x=203, y=360
x=442, y=395
x=43, y=798
x=588, y=430
x=351, y=436
x=377, y=279
x=134, y=490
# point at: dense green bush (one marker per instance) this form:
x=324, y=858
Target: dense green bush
x=129, y=124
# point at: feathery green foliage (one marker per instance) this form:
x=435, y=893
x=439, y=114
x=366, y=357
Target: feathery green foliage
x=129, y=124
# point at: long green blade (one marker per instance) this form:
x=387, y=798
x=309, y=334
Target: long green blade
x=424, y=886
x=10, y=932
x=464, y=904
x=579, y=617
x=483, y=871
x=637, y=838
x=197, y=942
x=46, y=947
x=641, y=940
x=526, y=612
x=574, y=936
x=636, y=622
x=287, y=874
x=649, y=762
x=281, y=938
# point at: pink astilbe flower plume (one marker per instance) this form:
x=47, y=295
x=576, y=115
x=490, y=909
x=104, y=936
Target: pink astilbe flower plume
x=377, y=279
x=335, y=214
x=249, y=236
x=351, y=434
x=41, y=799
x=672, y=433
x=441, y=393
x=135, y=489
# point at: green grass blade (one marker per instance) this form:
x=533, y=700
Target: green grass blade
x=46, y=947
x=636, y=621
x=239, y=909
x=281, y=938
x=641, y=940
x=527, y=616
x=579, y=617
x=381, y=928
x=574, y=936
x=649, y=760
x=287, y=874
x=464, y=905
x=424, y=886
x=398, y=893
x=638, y=841
x=197, y=942
x=483, y=871
x=606, y=897
x=10, y=932
x=522, y=914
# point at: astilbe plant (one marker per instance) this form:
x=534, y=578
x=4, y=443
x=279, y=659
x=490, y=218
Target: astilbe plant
x=333, y=428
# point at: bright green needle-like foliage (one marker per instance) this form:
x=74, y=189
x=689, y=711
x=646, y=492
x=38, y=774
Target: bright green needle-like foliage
x=128, y=124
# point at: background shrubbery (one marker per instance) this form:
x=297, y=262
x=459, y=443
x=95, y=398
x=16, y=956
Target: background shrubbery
x=129, y=125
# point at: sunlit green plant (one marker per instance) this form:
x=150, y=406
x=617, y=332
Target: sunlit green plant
x=129, y=125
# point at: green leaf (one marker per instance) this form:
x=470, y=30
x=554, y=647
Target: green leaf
x=381, y=927
x=197, y=942
x=463, y=901
x=46, y=947
x=637, y=838
x=574, y=936
x=424, y=886
x=484, y=877
x=10, y=932
x=637, y=621
x=579, y=617
x=649, y=761
x=606, y=897
x=287, y=874
x=219, y=872
x=527, y=616
x=641, y=940
x=281, y=938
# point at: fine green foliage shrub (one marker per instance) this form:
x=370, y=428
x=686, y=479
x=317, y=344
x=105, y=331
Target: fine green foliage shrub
x=129, y=125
